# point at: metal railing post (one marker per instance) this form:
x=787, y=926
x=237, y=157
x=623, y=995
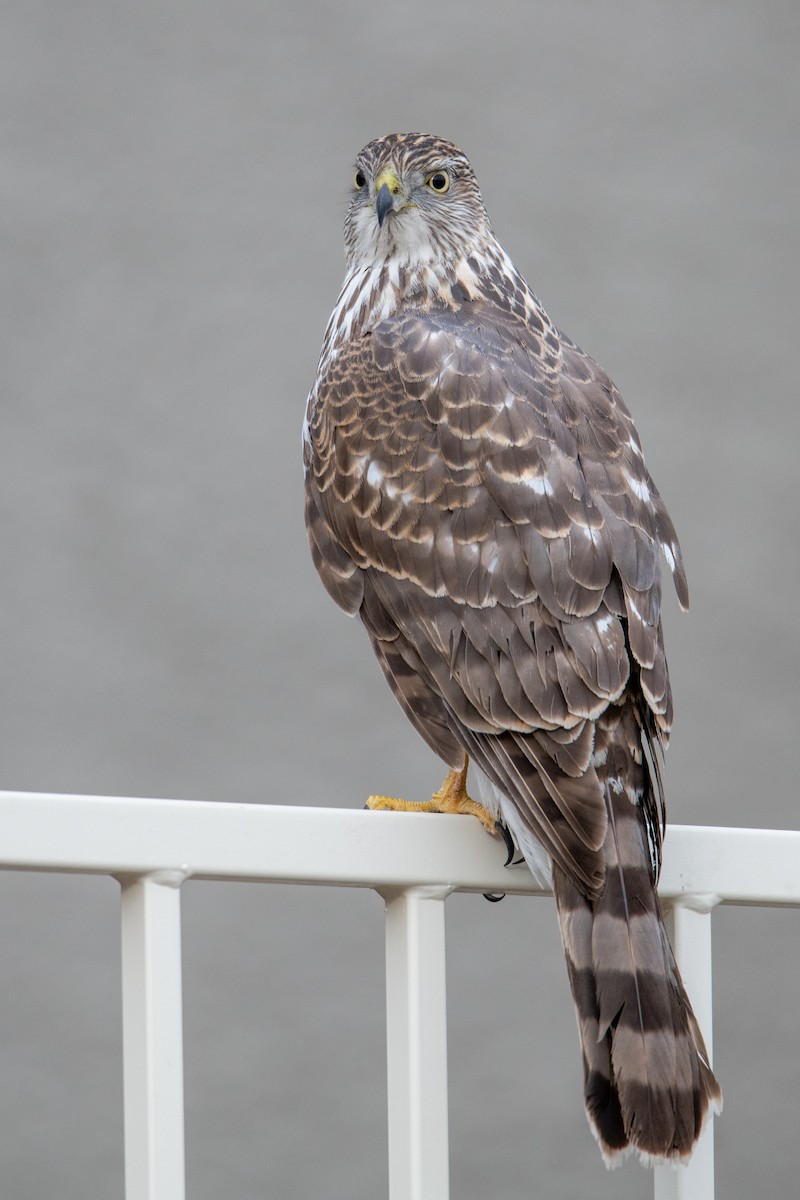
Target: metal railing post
x=691, y=941
x=416, y=1035
x=152, y=1038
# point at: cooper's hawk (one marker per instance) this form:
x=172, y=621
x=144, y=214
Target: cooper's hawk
x=476, y=492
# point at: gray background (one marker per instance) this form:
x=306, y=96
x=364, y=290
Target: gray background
x=174, y=178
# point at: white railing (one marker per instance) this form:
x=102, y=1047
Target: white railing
x=415, y=862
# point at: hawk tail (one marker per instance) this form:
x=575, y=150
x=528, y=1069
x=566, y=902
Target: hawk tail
x=648, y=1084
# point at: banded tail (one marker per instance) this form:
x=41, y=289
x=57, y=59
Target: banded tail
x=648, y=1084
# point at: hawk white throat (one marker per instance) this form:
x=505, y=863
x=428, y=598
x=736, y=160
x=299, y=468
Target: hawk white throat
x=476, y=492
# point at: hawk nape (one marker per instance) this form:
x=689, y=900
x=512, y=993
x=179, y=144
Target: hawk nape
x=476, y=492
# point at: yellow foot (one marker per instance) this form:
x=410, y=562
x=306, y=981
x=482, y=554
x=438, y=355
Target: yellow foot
x=452, y=797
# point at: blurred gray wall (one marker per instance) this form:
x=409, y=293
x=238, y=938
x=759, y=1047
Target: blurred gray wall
x=174, y=178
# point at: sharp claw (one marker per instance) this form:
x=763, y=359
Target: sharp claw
x=509, y=841
x=494, y=899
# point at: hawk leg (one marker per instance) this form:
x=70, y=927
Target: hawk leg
x=452, y=797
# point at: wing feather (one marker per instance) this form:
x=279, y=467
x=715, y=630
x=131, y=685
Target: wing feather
x=489, y=510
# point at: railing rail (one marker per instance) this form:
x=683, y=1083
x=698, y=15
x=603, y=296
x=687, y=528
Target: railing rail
x=415, y=862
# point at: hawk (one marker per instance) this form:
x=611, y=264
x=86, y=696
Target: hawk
x=476, y=492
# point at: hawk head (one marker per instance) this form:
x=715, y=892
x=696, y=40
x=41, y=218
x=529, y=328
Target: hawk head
x=415, y=201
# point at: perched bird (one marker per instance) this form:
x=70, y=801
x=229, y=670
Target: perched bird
x=476, y=492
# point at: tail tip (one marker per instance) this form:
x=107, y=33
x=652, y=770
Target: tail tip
x=618, y=1147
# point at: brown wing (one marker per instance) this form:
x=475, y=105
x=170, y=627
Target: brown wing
x=487, y=509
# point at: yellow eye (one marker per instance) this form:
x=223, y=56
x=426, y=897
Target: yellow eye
x=438, y=182
x=359, y=180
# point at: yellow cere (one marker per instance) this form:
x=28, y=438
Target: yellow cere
x=390, y=179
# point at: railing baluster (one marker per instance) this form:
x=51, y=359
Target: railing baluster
x=416, y=1026
x=152, y=1037
x=691, y=940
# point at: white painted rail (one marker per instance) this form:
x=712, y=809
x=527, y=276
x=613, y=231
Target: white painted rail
x=415, y=862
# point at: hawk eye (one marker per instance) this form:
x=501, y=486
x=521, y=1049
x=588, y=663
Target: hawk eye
x=439, y=181
x=359, y=180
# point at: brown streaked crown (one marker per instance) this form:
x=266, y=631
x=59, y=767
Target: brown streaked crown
x=409, y=151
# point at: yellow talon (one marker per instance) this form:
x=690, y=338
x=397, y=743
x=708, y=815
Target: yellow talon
x=452, y=797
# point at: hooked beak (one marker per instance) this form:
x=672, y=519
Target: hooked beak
x=387, y=186
x=383, y=203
